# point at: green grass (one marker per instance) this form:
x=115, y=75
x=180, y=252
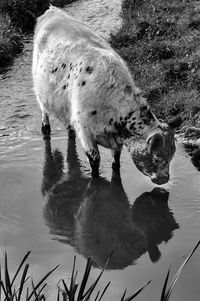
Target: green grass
x=17, y=17
x=160, y=40
x=10, y=40
x=23, y=13
x=27, y=289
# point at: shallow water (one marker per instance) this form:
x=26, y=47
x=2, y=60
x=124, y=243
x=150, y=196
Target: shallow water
x=51, y=206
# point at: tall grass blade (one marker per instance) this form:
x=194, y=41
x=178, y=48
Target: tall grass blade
x=105, y=289
x=23, y=280
x=123, y=296
x=66, y=289
x=27, y=293
x=137, y=292
x=42, y=280
x=0, y=282
x=38, y=297
x=87, y=295
x=58, y=295
x=33, y=289
x=85, y=279
x=7, y=278
x=20, y=266
x=97, y=296
x=14, y=295
x=173, y=282
x=73, y=285
x=4, y=290
x=164, y=287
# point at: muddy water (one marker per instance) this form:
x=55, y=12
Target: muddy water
x=50, y=205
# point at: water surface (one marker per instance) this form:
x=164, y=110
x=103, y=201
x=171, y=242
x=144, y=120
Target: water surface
x=50, y=205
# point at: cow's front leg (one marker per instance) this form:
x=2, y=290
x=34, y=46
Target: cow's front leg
x=116, y=159
x=90, y=147
x=94, y=159
x=46, y=129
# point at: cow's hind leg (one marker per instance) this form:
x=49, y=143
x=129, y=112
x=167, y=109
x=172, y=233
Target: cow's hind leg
x=116, y=159
x=46, y=128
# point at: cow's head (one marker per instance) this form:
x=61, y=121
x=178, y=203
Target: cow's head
x=152, y=157
x=150, y=142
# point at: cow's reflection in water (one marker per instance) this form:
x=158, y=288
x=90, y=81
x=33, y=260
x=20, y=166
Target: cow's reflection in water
x=95, y=217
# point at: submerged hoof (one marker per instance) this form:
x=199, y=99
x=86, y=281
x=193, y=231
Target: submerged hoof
x=115, y=167
x=46, y=129
x=95, y=174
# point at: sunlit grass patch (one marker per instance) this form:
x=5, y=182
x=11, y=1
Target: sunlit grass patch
x=160, y=41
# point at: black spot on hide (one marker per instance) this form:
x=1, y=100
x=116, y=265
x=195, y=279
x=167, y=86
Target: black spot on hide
x=64, y=87
x=68, y=76
x=83, y=83
x=89, y=69
x=132, y=126
x=110, y=121
x=94, y=112
x=121, y=129
x=63, y=65
x=53, y=71
x=130, y=114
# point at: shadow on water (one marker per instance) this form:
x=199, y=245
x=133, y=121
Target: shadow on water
x=94, y=215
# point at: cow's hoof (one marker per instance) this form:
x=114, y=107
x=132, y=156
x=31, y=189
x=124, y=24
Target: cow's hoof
x=115, y=167
x=95, y=174
x=46, y=129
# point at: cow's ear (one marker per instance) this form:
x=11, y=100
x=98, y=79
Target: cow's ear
x=156, y=143
x=175, y=123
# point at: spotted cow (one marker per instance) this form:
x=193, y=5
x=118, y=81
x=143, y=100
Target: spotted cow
x=79, y=78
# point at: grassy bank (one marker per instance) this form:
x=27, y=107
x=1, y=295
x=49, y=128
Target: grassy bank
x=160, y=41
x=18, y=17
x=10, y=40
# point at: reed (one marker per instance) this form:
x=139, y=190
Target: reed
x=28, y=290
x=166, y=293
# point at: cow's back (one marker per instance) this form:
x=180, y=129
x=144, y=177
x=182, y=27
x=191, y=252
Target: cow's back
x=57, y=26
x=59, y=41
